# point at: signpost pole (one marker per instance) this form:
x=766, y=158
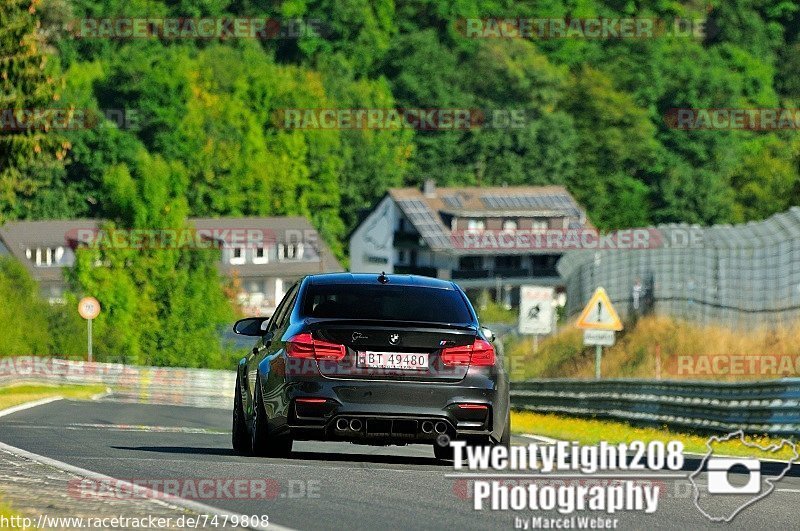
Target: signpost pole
x=598, y=355
x=89, y=327
x=535, y=343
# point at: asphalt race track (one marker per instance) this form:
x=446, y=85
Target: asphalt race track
x=323, y=486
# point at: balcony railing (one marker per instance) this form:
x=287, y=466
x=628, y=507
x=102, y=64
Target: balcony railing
x=501, y=272
x=415, y=270
x=404, y=239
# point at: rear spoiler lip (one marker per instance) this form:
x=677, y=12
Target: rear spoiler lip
x=379, y=323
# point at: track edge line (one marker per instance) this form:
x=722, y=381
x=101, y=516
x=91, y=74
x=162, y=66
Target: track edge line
x=29, y=405
x=157, y=496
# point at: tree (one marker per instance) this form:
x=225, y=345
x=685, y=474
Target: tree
x=31, y=326
x=358, y=31
x=767, y=182
x=616, y=153
x=28, y=82
x=162, y=304
x=536, y=145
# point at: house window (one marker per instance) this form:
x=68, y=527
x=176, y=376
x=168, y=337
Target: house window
x=509, y=224
x=538, y=224
x=476, y=224
x=260, y=255
x=45, y=256
x=290, y=251
x=237, y=256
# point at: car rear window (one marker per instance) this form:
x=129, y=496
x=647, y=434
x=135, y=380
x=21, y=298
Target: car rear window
x=386, y=303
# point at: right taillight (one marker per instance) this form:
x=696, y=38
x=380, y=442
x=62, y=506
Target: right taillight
x=305, y=346
x=479, y=353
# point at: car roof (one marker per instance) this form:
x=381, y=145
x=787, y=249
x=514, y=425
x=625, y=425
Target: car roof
x=372, y=278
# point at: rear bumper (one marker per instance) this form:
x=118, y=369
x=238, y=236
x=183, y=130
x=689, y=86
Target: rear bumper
x=389, y=412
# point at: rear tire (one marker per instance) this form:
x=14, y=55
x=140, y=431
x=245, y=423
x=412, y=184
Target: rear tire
x=445, y=453
x=240, y=435
x=442, y=453
x=505, y=439
x=263, y=443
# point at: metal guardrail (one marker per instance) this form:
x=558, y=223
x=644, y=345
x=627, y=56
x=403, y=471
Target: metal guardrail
x=158, y=385
x=771, y=407
x=764, y=407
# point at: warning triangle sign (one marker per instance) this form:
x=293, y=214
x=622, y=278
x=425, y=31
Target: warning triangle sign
x=599, y=313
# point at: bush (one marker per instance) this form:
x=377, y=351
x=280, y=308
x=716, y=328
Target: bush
x=30, y=325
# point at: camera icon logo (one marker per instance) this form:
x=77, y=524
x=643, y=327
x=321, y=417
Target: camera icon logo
x=719, y=482
x=725, y=485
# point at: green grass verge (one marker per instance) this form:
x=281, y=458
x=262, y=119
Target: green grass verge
x=7, y=513
x=491, y=312
x=13, y=395
x=590, y=431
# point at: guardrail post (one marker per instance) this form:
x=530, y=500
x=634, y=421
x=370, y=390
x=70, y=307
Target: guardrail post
x=658, y=361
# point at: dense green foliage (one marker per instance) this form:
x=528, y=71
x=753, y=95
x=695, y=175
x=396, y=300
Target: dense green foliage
x=27, y=81
x=31, y=327
x=205, y=121
x=595, y=108
x=162, y=306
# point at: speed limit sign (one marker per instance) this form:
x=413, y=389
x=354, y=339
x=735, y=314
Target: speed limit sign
x=89, y=308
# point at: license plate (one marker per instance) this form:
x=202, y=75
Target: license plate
x=393, y=360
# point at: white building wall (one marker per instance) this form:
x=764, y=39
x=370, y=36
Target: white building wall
x=372, y=243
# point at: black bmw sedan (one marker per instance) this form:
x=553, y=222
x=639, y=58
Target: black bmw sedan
x=369, y=359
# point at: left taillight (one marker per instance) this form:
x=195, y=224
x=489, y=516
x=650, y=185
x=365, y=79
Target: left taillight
x=479, y=353
x=305, y=346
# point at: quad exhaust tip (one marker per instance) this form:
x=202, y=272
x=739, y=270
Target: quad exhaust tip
x=428, y=427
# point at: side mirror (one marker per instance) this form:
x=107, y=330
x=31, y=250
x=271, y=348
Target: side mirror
x=251, y=326
x=488, y=334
